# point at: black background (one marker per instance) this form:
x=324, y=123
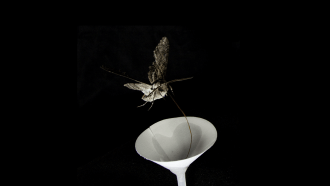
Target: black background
x=109, y=121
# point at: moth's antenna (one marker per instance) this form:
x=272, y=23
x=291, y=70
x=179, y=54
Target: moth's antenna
x=178, y=80
x=106, y=69
x=187, y=122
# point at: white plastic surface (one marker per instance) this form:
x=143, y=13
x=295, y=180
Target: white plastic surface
x=167, y=143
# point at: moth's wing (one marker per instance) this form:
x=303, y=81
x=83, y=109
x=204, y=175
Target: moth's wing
x=145, y=88
x=158, y=68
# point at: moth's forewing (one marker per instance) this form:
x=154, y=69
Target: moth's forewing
x=145, y=88
x=158, y=68
x=152, y=73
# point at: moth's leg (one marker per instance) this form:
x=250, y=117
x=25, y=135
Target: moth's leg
x=152, y=101
x=151, y=105
x=143, y=104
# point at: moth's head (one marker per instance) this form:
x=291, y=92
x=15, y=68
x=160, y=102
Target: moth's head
x=163, y=88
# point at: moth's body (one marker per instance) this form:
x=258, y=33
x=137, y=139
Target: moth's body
x=156, y=75
x=151, y=92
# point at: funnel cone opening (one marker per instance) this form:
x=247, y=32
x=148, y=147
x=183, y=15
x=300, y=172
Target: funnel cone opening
x=169, y=140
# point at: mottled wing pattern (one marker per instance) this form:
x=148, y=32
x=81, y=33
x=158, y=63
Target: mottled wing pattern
x=158, y=68
x=145, y=88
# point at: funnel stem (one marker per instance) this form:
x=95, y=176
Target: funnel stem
x=180, y=175
x=187, y=123
x=181, y=179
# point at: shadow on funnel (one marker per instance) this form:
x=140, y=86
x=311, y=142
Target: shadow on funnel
x=176, y=147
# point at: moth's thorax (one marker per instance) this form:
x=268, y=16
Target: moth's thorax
x=162, y=87
x=157, y=91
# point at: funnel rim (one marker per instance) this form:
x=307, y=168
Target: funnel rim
x=192, y=157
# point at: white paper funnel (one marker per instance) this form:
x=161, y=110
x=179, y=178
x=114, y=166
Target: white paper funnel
x=167, y=143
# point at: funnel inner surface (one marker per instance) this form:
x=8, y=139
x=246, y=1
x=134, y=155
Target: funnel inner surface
x=176, y=147
x=169, y=140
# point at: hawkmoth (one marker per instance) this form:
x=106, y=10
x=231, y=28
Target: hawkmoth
x=156, y=75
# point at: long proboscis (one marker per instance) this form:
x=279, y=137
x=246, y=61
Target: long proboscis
x=187, y=123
